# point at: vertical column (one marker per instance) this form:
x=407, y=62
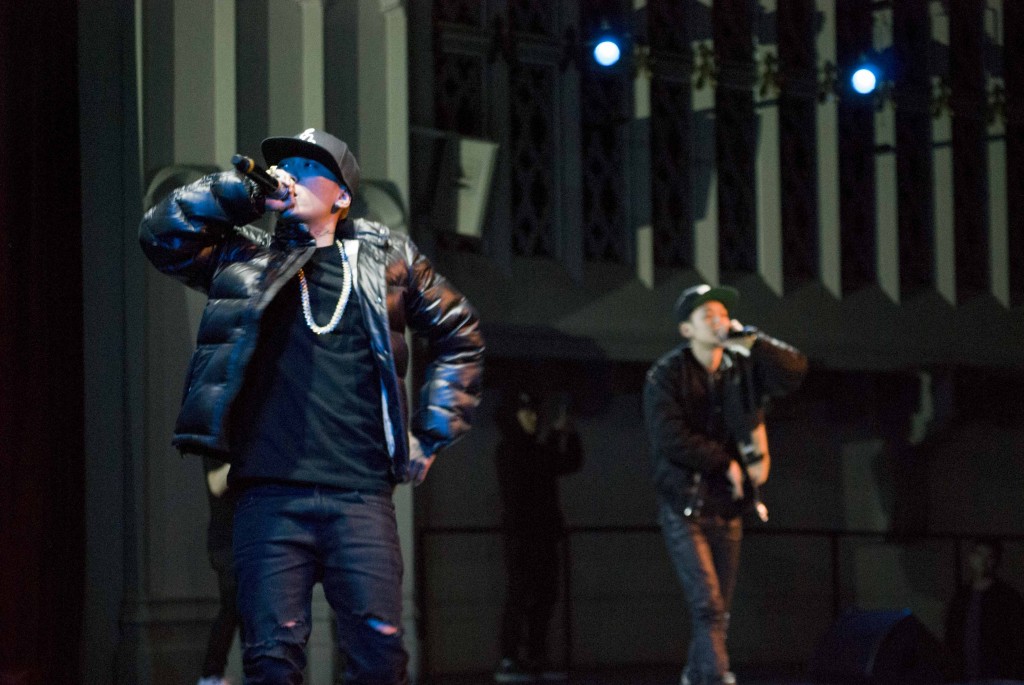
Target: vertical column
x=383, y=92
x=204, y=81
x=942, y=164
x=1013, y=58
x=295, y=66
x=735, y=135
x=970, y=185
x=886, y=199
x=189, y=120
x=998, y=234
x=644, y=240
x=113, y=320
x=830, y=265
x=769, y=186
x=201, y=132
x=383, y=152
x=912, y=40
x=570, y=226
x=705, y=167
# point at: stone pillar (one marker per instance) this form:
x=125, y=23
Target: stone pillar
x=112, y=314
x=295, y=72
x=886, y=199
x=830, y=264
x=769, y=185
x=187, y=128
x=998, y=232
x=705, y=208
x=942, y=165
x=644, y=245
x=382, y=147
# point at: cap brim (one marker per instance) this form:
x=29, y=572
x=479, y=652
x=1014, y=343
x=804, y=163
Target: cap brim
x=276, y=149
x=723, y=293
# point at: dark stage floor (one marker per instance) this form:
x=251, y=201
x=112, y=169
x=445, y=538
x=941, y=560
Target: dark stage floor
x=637, y=675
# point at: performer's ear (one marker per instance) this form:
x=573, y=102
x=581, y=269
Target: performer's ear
x=343, y=202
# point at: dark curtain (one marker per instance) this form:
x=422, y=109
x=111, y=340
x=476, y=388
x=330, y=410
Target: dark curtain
x=42, y=546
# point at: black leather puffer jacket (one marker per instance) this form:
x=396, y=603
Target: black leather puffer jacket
x=198, y=236
x=677, y=408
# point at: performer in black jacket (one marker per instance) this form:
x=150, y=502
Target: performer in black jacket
x=297, y=380
x=529, y=463
x=704, y=411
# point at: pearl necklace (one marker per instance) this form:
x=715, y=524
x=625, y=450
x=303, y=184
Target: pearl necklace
x=339, y=309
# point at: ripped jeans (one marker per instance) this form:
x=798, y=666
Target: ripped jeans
x=706, y=555
x=286, y=539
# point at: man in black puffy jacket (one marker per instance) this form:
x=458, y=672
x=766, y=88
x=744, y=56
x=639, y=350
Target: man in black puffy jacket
x=297, y=380
x=704, y=411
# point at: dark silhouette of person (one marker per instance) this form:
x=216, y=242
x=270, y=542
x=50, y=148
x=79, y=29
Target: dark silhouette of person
x=218, y=547
x=529, y=463
x=985, y=621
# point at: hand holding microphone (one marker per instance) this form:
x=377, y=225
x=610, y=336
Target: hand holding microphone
x=270, y=185
x=739, y=336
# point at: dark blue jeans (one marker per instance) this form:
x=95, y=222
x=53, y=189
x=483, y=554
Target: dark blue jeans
x=286, y=539
x=706, y=555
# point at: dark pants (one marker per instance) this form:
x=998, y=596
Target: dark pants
x=286, y=539
x=222, y=633
x=706, y=556
x=531, y=565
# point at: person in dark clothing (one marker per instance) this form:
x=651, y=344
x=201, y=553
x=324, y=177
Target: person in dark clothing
x=985, y=621
x=704, y=411
x=529, y=463
x=218, y=547
x=298, y=381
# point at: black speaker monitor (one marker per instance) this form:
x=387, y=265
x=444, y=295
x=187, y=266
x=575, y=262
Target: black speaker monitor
x=877, y=647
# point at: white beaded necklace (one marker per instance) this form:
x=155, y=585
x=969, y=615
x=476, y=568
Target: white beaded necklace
x=346, y=290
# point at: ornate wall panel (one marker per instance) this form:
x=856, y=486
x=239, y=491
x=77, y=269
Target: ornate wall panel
x=856, y=150
x=970, y=189
x=459, y=99
x=735, y=135
x=465, y=12
x=605, y=108
x=797, y=77
x=532, y=148
x=671, y=133
x=911, y=49
x=534, y=16
x=1013, y=13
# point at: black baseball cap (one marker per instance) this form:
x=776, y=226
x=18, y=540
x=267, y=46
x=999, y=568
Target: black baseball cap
x=691, y=298
x=320, y=146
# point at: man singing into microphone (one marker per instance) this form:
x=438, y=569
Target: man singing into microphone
x=297, y=380
x=704, y=409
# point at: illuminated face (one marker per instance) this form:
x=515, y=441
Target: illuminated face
x=982, y=560
x=528, y=420
x=315, y=190
x=708, y=324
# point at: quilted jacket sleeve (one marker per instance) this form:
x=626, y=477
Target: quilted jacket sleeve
x=452, y=383
x=184, y=234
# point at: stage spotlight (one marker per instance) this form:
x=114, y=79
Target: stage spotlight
x=607, y=52
x=864, y=80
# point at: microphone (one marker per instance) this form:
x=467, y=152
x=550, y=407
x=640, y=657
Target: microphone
x=742, y=332
x=270, y=186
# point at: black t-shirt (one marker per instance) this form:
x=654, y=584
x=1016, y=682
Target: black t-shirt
x=310, y=407
x=718, y=498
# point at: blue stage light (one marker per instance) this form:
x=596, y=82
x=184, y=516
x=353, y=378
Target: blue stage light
x=607, y=53
x=864, y=80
